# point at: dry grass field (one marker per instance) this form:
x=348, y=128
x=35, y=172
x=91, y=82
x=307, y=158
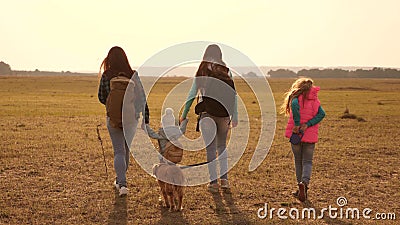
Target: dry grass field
x=52, y=170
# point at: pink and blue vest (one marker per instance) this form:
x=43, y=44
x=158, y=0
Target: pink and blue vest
x=308, y=110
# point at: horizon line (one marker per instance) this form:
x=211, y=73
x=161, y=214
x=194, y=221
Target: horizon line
x=269, y=67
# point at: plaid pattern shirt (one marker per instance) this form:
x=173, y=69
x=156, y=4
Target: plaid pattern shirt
x=104, y=91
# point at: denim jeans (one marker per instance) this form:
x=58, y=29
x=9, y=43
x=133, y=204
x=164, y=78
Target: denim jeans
x=215, y=143
x=121, y=153
x=303, y=156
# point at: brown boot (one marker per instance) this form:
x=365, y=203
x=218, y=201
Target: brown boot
x=302, y=191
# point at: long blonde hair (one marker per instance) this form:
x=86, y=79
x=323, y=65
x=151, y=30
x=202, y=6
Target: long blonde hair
x=300, y=87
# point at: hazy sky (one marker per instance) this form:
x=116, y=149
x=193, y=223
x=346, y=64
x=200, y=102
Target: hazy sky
x=76, y=35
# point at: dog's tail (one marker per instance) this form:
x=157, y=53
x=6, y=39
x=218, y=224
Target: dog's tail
x=155, y=167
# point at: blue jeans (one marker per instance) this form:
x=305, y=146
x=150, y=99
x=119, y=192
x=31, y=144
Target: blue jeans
x=303, y=156
x=215, y=142
x=121, y=153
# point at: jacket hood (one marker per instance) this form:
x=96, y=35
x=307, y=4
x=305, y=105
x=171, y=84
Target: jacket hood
x=171, y=132
x=313, y=94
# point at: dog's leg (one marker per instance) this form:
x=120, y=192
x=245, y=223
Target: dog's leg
x=164, y=193
x=171, y=202
x=179, y=191
x=166, y=200
x=170, y=193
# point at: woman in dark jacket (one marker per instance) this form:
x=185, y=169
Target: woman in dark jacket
x=217, y=86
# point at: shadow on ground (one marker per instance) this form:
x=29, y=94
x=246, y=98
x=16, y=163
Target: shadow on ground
x=168, y=217
x=119, y=213
x=226, y=210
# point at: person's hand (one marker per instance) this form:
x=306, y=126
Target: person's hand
x=296, y=129
x=234, y=124
x=303, y=127
x=181, y=119
x=143, y=125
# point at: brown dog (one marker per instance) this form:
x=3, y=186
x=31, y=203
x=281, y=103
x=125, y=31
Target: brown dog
x=171, y=181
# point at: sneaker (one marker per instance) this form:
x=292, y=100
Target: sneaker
x=225, y=184
x=302, y=192
x=213, y=187
x=123, y=191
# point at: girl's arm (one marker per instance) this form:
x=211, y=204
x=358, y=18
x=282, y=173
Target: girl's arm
x=235, y=110
x=183, y=125
x=296, y=111
x=104, y=90
x=190, y=98
x=317, y=118
x=140, y=91
x=296, y=114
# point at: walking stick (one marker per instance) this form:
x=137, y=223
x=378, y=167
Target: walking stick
x=102, y=148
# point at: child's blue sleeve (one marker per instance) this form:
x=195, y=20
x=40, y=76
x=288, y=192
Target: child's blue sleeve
x=317, y=118
x=152, y=133
x=296, y=111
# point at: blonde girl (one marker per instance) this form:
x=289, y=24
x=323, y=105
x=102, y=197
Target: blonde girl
x=305, y=113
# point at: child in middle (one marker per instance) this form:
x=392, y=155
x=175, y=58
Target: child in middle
x=168, y=131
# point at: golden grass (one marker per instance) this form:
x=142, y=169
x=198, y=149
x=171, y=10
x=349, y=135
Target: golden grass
x=52, y=171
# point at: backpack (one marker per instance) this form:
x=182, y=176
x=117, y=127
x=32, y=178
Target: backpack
x=173, y=153
x=215, y=91
x=115, y=99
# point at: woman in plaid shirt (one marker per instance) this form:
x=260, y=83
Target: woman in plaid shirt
x=115, y=63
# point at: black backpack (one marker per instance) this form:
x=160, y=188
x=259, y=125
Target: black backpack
x=218, y=98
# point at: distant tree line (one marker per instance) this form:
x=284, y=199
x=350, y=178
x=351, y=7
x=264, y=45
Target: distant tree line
x=5, y=69
x=282, y=73
x=376, y=72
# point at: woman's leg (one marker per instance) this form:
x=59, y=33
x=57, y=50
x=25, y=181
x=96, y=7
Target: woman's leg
x=307, y=157
x=127, y=155
x=298, y=161
x=119, y=146
x=222, y=133
x=208, y=131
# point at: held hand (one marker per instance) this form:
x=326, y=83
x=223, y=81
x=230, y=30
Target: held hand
x=143, y=126
x=296, y=129
x=234, y=124
x=303, y=127
x=181, y=120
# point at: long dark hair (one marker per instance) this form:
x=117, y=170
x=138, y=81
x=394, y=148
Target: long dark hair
x=213, y=54
x=115, y=62
x=212, y=64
